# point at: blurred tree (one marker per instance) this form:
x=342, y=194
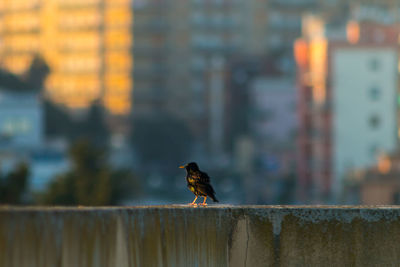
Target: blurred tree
x=92, y=127
x=162, y=141
x=37, y=73
x=11, y=81
x=13, y=185
x=32, y=80
x=58, y=122
x=91, y=180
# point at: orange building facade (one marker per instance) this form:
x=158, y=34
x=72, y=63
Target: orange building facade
x=87, y=45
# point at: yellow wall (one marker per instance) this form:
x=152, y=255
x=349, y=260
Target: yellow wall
x=87, y=45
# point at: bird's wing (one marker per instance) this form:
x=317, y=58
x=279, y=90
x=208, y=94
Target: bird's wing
x=204, y=178
x=206, y=189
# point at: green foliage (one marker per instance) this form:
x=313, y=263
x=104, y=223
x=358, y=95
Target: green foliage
x=13, y=185
x=91, y=180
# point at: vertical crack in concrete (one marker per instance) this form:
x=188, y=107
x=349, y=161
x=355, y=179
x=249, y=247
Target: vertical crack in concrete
x=277, y=248
x=247, y=242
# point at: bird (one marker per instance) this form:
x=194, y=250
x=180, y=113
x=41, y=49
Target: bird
x=198, y=183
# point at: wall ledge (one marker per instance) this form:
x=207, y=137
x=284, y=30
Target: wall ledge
x=216, y=235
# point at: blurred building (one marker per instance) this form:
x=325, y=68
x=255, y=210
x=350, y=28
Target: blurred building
x=273, y=125
x=45, y=164
x=87, y=45
x=21, y=120
x=273, y=122
x=241, y=72
x=22, y=138
x=347, y=81
x=283, y=24
x=177, y=44
x=378, y=184
x=271, y=26
x=150, y=52
x=261, y=123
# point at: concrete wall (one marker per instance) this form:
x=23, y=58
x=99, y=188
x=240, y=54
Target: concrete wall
x=212, y=236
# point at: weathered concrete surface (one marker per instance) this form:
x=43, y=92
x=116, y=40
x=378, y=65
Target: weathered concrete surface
x=212, y=236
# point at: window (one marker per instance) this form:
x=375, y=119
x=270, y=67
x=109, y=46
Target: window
x=16, y=126
x=374, y=121
x=374, y=64
x=374, y=93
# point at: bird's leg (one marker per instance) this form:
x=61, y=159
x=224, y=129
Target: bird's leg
x=194, y=202
x=204, y=202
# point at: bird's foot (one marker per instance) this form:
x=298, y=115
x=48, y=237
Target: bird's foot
x=203, y=204
x=192, y=204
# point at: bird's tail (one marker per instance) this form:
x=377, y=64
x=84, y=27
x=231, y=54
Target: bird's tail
x=212, y=196
x=211, y=193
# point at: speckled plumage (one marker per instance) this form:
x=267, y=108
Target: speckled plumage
x=198, y=182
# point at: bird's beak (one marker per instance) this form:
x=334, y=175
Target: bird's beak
x=183, y=166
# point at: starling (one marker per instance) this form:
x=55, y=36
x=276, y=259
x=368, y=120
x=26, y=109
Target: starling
x=199, y=183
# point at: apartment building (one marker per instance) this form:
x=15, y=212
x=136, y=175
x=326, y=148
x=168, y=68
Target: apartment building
x=348, y=84
x=87, y=45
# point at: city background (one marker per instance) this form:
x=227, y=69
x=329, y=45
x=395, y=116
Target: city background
x=279, y=101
